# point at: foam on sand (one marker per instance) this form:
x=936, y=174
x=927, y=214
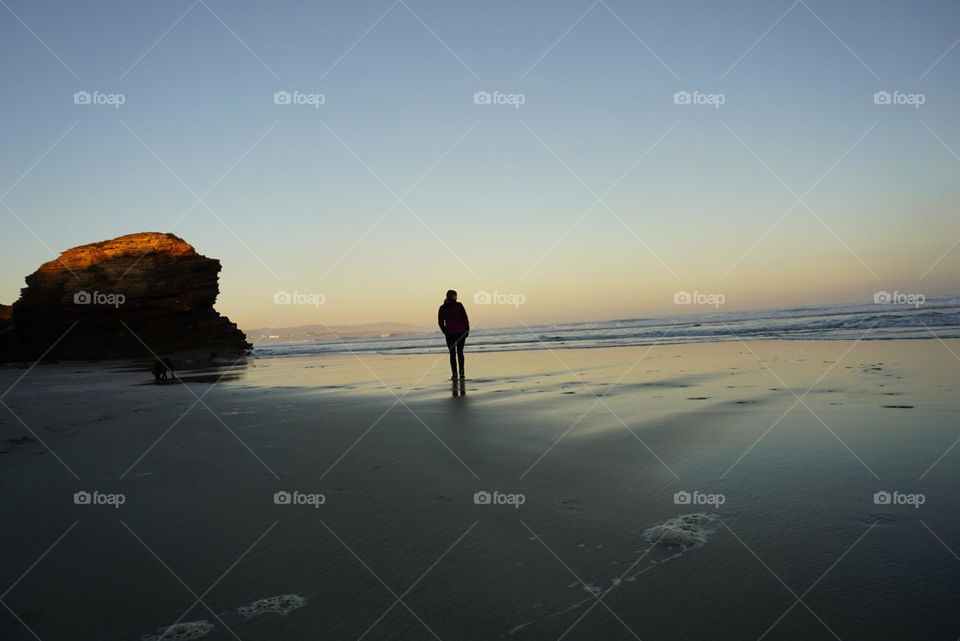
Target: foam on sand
x=181, y=631
x=281, y=604
x=686, y=530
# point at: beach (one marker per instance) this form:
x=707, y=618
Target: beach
x=702, y=262
x=724, y=490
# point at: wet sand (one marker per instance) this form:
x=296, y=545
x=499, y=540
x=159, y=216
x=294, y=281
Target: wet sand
x=586, y=451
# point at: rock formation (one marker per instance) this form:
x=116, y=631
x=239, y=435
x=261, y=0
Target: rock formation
x=135, y=296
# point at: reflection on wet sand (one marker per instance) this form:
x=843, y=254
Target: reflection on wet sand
x=205, y=373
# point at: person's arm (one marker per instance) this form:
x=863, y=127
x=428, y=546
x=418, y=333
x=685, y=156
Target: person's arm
x=466, y=319
x=440, y=320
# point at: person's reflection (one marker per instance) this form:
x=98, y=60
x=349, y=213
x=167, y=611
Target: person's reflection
x=459, y=387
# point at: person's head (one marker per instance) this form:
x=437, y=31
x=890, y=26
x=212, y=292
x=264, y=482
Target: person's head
x=452, y=295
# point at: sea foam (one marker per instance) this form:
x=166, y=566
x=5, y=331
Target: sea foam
x=281, y=604
x=181, y=631
x=686, y=530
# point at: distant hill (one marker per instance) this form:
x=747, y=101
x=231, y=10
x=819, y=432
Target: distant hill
x=308, y=332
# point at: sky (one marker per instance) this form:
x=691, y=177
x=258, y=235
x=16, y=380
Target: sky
x=585, y=187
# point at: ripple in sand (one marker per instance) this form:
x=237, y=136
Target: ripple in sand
x=181, y=631
x=282, y=604
x=880, y=518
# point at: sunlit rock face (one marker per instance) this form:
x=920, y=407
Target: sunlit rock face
x=143, y=295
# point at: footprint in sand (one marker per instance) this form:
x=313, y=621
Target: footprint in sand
x=899, y=407
x=282, y=604
x=569, y=505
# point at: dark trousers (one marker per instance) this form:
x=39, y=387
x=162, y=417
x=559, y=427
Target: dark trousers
x=455, y=343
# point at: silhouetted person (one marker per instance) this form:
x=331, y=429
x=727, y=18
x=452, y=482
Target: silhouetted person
x=161, y=369
x=455, y=325
x=159, y=372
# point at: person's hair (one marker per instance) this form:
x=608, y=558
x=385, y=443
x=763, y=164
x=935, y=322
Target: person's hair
x=451, y=293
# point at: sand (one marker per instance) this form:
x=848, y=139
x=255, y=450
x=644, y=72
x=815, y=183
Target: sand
x=300, y=498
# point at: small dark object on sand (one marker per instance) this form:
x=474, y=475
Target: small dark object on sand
x=169, y=363
x=160, y=369
x=159, y=372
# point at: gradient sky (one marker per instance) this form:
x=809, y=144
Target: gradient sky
x=294, y=197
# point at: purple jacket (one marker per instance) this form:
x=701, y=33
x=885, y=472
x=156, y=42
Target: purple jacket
x=452, y=318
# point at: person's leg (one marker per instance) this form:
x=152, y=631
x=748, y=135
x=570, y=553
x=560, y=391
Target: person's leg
x=452, y=347
x=460, y=343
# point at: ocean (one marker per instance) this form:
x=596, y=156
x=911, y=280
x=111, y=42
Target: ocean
x=934, y=318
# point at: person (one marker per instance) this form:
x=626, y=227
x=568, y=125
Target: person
x=455, y=325
x=162, y=368
x=159, y=372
